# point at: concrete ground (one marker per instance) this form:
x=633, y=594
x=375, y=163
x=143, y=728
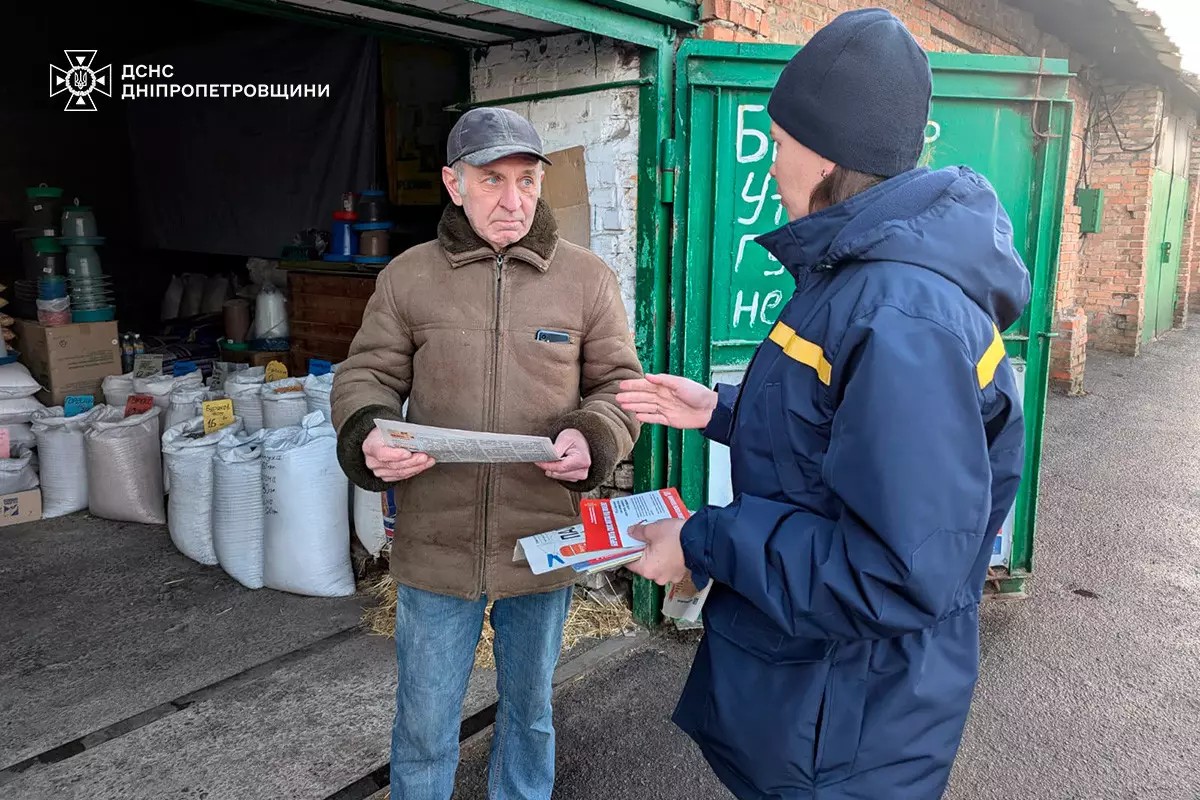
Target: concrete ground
x=128, y=671
x=1090, y=687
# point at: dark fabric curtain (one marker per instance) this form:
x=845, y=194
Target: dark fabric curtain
x=242, y=175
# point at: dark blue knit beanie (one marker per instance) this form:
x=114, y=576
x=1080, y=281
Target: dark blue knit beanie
x=858, y=94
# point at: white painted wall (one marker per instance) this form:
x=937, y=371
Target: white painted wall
x=605, y=123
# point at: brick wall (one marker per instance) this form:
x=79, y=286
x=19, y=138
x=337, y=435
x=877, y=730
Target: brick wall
x=605, y=123
x=1112, y=277
x=1191, y=238
x=985, y=26
x=1068, y=353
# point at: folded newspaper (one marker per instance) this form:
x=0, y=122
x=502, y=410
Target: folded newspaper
x=602, y=542
x=451, y=446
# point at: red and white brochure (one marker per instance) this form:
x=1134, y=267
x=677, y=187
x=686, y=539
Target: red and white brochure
x=603, y=532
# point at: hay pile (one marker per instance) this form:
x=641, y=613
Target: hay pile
x=592, y=616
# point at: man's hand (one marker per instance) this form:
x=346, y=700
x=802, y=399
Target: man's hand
x=393, y=464
x=668, y=400
x=576, y=456
x=662, y=560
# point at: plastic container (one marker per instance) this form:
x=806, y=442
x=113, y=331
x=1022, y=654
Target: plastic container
x=78, y=221
x=52, y=287
x=373, y=206
x=237, y=320
x=43, y=207
x=83, y=261
x=46, y=258
x=343, y=242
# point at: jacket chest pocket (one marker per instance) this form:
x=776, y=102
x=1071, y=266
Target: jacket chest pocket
x=548, y=352
x=798, y=428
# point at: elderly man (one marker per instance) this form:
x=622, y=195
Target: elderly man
x=498, y=325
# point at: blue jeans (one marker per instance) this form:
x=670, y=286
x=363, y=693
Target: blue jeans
x=436, y=637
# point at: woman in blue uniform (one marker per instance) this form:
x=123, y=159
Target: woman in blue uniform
x=876, y=447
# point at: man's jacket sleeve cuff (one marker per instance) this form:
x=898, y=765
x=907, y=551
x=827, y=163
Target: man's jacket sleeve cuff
x=694, y=538
x=354, y=432
x=602, y=446
x=719, y=426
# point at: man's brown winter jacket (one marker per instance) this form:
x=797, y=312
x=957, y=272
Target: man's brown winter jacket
x=452, y=327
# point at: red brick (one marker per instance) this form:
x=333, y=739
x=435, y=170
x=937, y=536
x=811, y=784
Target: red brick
x=737, y=13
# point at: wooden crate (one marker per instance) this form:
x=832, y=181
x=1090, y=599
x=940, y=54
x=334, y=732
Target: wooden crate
x=325, y=314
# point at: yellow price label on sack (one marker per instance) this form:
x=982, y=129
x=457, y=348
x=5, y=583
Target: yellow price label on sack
x=218, y=414
x=276, y=371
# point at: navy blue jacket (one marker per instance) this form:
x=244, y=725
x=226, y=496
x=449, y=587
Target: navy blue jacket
x=876, y=443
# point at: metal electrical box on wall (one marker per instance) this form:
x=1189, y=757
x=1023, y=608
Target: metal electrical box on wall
x=1091, y=209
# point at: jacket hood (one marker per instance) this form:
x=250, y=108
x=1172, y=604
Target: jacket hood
x=948, y=221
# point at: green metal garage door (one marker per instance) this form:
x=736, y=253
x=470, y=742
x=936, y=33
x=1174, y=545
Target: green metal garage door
x=1007, y=117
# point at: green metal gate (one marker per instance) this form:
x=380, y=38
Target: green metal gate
x=1007, y=117
x=1168, y=214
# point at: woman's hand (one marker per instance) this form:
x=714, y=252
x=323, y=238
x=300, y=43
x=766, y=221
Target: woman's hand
x=662, y=560
x=668, y=400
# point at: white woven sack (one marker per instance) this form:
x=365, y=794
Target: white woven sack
x=184, y=403
x=283, y=403
x=368, y=520
x=16, y=381
x=306, y=526
x=237, y=511
x=62, y=453
x=19, y=410
x=189, y=457
x=117, y=389
x=21, y=433
x=318, y=391
x=245, y=389
x=18, y=472
x=124, y=465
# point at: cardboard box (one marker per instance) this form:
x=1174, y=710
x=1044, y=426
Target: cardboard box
x=69, y=359
x=255, y=358
x=20, y=507
x=565, y=190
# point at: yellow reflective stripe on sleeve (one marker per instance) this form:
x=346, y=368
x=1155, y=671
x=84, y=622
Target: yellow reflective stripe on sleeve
x=802, y=350
x=986, y=368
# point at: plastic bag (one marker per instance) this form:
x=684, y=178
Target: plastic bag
x=117, y=389
x=21, y=433
x=237, y=508
x=16, y=382
x=368, y=520
x=270, y=314
x=306, y=528
x=124, y=465
x=18, y=472
x=19, y=410
x=62, y=453
x=187, y=402
x=283, y=403
x=193, y=295
x=172, y=299
x=318, y=392
x=188, y=454
x=245, y=389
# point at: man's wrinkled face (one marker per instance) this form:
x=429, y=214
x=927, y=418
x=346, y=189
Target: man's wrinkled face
x=499, y=198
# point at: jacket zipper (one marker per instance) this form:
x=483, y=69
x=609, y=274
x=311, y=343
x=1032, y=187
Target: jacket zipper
x=491, y=421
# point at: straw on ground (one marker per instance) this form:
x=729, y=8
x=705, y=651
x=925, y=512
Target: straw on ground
x=592, y=616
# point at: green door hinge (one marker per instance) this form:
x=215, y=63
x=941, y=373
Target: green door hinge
x=669, y=158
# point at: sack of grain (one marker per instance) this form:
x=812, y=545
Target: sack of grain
x=306, y=529
x=62, y=457
x=283, y=403
x=189, y=453
x=245, y=389
x=238, y=507
x=124, y=465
